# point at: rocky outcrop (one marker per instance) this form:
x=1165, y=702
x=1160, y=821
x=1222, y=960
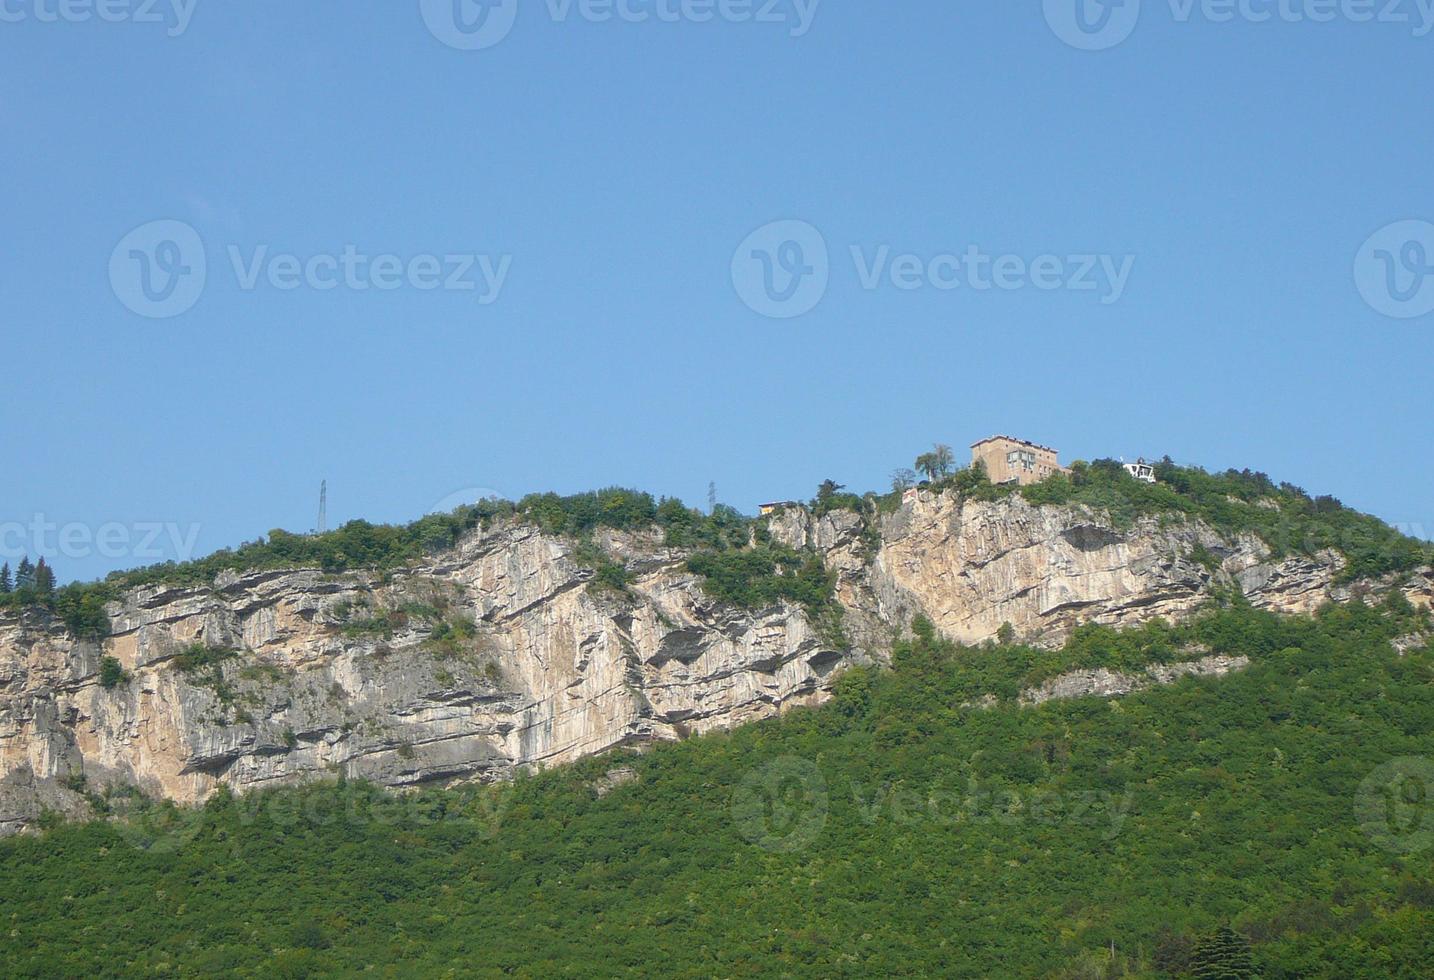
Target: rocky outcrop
x=1413, y=641
x=972, y=566
x=1104, y=683
x=501, y=654
x=493, y=657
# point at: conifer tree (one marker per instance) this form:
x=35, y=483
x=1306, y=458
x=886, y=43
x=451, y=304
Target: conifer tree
x=24, y=574
x=5, y=585
x=1223, y=955
x=44, y=581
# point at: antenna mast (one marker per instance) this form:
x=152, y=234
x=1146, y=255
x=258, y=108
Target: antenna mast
x=323, y=507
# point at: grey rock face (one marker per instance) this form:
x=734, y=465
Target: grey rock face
x=1103, y=683
x=352, y=674
x=971, y=566
x=498, y=655
x=1413, y=641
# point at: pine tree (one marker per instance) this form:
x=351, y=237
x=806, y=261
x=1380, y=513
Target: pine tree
x=1223, y=955
x=44, y=581
x=24, y=574
x=5, y=585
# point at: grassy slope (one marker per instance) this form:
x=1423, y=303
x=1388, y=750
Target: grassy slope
x=956, y=841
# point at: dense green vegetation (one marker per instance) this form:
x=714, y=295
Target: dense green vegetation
x=761, y=576
x=358, y=544
x=731, y=552
x=897, y=831
x=80, y=607
x=197, y=657
x=758, y=577
x=112, y=673
x=1285, y=516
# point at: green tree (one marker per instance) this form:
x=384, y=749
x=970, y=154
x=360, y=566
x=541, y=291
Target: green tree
x=44, y=582
x=24, y=574
x=5, y=582
x=111, y=673
x=83, y=610
x=937, y=463
x=1223, y=955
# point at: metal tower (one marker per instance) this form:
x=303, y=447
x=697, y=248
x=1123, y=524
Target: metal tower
x=323, y=507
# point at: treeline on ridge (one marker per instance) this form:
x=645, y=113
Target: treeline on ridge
x=741, y=564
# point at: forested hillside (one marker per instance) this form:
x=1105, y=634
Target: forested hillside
x=1272, y=822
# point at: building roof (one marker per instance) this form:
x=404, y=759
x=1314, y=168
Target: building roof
x=1021, y=442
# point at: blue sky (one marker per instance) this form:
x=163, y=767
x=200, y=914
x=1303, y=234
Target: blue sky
x=616, y=166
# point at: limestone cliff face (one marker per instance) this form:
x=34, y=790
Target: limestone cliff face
x=499, y=654
x=350, y=673
x=971, y=566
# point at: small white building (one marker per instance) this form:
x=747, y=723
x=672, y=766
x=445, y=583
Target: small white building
x=1142, y=471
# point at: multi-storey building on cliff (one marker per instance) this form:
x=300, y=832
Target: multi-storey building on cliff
x=1010, y=460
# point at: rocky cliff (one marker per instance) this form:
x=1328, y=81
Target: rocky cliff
x=971, y=567
x=503, y=654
